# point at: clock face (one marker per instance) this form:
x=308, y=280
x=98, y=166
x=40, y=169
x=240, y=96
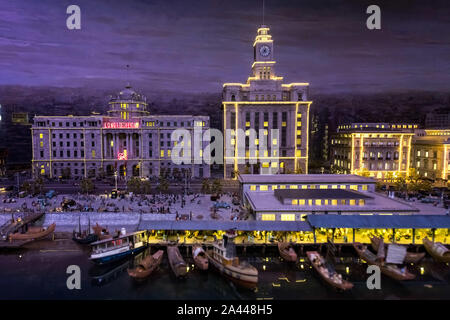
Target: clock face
x=264, y=51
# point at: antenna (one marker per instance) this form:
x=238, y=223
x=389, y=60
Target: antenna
x=127, y=74
x=263, y=12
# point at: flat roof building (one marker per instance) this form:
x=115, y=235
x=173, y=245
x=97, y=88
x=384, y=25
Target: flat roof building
x=292, y=197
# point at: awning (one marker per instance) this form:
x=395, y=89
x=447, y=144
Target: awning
x=380, y=221
x=226, y=225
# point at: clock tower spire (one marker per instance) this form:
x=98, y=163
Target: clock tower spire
x=263, y=65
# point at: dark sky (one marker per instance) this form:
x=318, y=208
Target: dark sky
x=196, y=46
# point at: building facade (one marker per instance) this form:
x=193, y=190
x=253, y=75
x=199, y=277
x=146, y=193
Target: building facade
x=128, y=140
x=294, y=197
x=377, y=150
x=431, y=154
x=272, y=117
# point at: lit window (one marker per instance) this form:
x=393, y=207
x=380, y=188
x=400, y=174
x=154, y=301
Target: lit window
x=93, y=153
x=334, y=186
x=41, y=143
x=301, y=202
x=334, y=202
x=318, y=202
x=265, y=165
x=266, y=123
x=325, y=202
x=323, y=186
x=253, y=188
x=274, y=187
x=263, y=188
x=293, y=187
x=41, y=135
x=310, y=202
x=294, y=201
x=162, y=153
x=352, y=202
x=268, y=217
x=298, y=153
x=233, y=142
x=343, y=186
x=274, y=164
x=283, y=124
x=354, y=187
x=361, y=202
x=274, y=142
x=282, y=187
x=288, y=217
x=364, y=187
x=304, y=186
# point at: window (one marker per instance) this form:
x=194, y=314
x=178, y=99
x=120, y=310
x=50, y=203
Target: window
x=263, y=188
x=268, y=217
x=288, y=217
x=253, y=188
x=93, y=153
x=41, y=135
x=294, y=201
x=301, y=202
x=318, y=202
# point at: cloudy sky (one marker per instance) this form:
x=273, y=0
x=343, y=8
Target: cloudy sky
x=196, y=45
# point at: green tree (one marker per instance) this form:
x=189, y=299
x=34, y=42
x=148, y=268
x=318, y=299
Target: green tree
x=163, y=184
x=87, y=186
x=216, y=186
x=146, y=187
x=134, y=185
x=206, y=186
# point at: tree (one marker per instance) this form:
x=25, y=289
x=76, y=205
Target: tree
x=134, y=185
x=146, y=187
x=87, y=186
x=216, y=186
x=163, y=184
x=206, y=186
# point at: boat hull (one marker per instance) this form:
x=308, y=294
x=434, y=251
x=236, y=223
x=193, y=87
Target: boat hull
x=141, y=273
x=390, y=271
x=345, y=285
x=176, y=262
x=430, y=247
x=246, y=280
x=286, y=253
x=33, y=235
x=117, y=256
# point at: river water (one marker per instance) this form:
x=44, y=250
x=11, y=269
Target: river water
x=41, y=274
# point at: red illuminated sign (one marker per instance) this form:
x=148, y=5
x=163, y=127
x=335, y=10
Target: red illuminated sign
x=120, y=125
x=123, y=155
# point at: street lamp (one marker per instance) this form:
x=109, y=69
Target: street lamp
x=115, y=176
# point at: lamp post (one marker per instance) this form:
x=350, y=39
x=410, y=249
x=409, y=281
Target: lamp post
x=115, y=176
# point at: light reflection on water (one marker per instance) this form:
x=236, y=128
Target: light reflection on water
x=32, y=274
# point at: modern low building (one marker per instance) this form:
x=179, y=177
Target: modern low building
x=293, y=197
x=128, y=140
x=277, y=112
x=374, y=149
x=431, y=154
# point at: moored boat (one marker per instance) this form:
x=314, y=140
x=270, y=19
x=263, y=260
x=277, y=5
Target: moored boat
x=287, y=252
x=330, y=276
x=147, y=265
x=176, y=261
x=101, y=232
x=437, y=250
x=119, y=247
x=200, y=258
x=85, y=237
x=390, y=270
x=223, y=258
x=33, y=233
x=411, y=257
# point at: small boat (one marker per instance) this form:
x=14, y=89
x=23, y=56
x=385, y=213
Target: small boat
x=390, y=270
x=327, y=272
x=119, y=247
x=200, y=258
x=223, y=258
x=146, y=266
x=86, y=236
x=178, y=265
x=411, y=257
x=287, y=252
x=33, y=233
x=437, y=250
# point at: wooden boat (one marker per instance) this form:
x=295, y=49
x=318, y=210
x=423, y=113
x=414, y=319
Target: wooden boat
x=223, y=258
x=146, y=266
x=117, y=248
x=178, y=265
x=390, y=270
x=437, y=250
x=86, y=236
x=33, y=233
x=411, y=257
x=200, y=258
x=334, y=279
x=287, y=252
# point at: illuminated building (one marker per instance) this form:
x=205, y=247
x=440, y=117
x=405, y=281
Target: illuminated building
x=128, y=140
x=265, y=104
x=379, y=150
x=292, y=197
x=431, y=154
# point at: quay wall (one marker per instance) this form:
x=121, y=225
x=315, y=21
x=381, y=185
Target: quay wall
x=68, y=221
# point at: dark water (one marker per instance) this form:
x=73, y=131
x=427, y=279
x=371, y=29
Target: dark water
x=36, y=274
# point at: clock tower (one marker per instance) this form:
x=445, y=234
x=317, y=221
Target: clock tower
x=263, y=62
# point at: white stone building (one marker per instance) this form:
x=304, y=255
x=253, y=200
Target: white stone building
x=265, y=103
x=128, y=140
